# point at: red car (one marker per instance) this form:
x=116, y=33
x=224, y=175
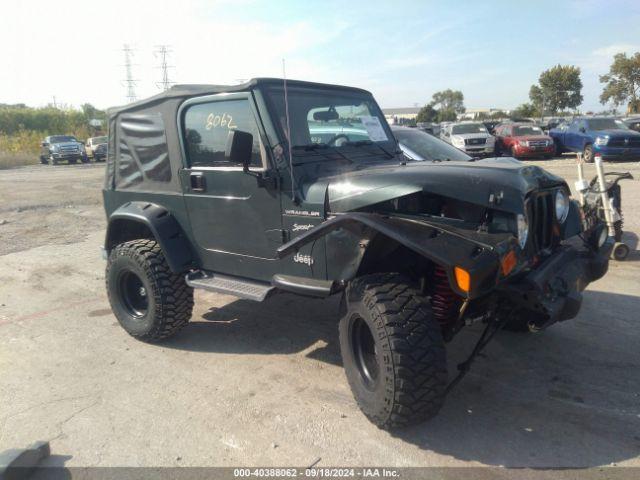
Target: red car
x=523, y=140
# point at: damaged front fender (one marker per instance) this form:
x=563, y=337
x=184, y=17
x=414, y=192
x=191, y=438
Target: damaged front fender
x=447, y=246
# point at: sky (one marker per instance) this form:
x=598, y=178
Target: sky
x=402, y=51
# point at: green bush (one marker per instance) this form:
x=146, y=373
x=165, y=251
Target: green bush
x=23, y=128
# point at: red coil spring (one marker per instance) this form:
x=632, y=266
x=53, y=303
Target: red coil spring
x=444, y=302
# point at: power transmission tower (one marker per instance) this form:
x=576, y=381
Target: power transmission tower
x=162, y=52
x=129, y=82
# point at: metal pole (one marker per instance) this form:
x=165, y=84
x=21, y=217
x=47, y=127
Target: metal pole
x=606, y=204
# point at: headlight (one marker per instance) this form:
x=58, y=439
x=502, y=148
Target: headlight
x=562, y=206
x=523, y=230
x=491, y=139
x=601, y=140
x=523, y=143
x=549, y=142
x=53, y=147
x=457, y=141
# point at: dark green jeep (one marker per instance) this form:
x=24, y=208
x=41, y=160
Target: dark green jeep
x=268, y=187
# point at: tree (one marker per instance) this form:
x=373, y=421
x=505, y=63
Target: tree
x=447, y=116
x=427, y=114
x=622, y=83
x=525, y=110
x=449, y=101
x=558, y=88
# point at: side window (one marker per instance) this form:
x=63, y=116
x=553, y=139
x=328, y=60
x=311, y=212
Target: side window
x=207, y=126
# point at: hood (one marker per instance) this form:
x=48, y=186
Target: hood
x=616, y=133
x=471, y=135
x=533, y=137
x=473, y=182
x=66, y=144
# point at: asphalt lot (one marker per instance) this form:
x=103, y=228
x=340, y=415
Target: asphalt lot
x=262, y=384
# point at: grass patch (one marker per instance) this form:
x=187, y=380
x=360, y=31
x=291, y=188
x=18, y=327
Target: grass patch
x=18, y=159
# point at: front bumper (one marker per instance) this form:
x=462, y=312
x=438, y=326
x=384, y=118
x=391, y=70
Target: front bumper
x=552, y=291
x=534, y=151
x=67, y=156
x=472, y=150
x=617, y=153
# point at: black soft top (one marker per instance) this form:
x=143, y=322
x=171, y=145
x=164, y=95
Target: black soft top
x=194, y=90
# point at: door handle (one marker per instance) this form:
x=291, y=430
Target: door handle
x=198, y=183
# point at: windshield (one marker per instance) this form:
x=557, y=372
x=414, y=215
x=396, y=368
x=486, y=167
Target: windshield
x=464, y=128
x=329, y=118
x=605, y=124
x=98, y=140
x=62, y=139
x=428, y=146
x=527, y=130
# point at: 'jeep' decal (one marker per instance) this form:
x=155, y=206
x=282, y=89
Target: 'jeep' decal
x=306, y=259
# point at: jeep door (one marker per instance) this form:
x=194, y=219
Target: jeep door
x=235, y=217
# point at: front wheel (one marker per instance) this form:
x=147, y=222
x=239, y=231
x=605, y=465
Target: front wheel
x=150, y=301
x=587, y=154
x=393, y=351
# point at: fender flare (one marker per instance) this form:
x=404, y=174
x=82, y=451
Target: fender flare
x=444, y=245
x=163, y=226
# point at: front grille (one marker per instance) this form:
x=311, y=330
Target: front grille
x=624, y=142
x=538, y=143
x=69, y=149
x=475, y=141
x=542, y=220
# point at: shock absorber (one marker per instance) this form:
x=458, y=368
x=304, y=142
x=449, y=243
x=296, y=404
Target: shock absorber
x=444, y=302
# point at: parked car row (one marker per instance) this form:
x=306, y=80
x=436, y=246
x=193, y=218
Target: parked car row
x=607, y=136
x=67, y=148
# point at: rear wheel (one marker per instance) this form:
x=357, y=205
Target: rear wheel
x=392, y=350
x=150, y=301
x=587, y=153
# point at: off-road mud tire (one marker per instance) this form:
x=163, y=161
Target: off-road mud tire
x=409, y=351
x=169, y=298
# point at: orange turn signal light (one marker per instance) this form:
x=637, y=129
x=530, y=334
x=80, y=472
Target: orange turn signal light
x=463, y=279
x=508, y=262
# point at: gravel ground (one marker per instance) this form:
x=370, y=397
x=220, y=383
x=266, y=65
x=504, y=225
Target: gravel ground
x=262, y=384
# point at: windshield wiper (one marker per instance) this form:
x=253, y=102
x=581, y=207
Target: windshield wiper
x=359, y=143
x=311, y=146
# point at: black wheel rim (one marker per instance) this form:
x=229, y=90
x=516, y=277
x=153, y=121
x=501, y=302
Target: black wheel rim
x=364, y=352
x=133, y=294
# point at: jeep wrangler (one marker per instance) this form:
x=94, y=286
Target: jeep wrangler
x=274, y=186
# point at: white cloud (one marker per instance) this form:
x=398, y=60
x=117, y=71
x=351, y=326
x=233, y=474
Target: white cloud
x=611, y=50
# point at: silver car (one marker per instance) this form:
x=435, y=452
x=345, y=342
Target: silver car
x=470, y=137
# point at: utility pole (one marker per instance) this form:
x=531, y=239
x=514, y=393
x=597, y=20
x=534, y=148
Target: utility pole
x=55, y=105
x=162, y=52
x=129, y=82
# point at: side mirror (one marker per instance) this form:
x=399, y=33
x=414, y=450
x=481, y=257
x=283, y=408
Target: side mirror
x=239, y=147
x=44, y=144
x=583, y=130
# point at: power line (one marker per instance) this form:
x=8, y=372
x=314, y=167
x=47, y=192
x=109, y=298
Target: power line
x=163, y=52
x=129, y=82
